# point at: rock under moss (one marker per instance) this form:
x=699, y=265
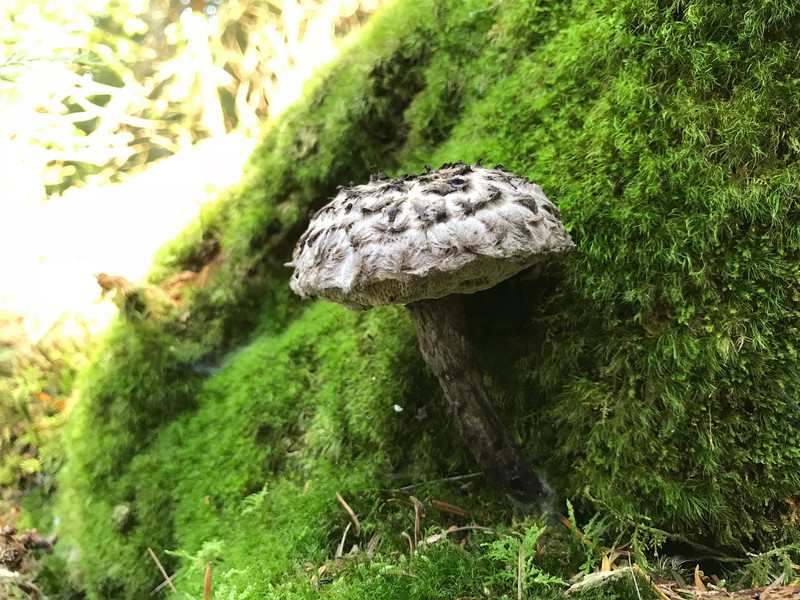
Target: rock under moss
x=658, y=368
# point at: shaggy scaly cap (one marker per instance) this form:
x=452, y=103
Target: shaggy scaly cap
x=460, y=229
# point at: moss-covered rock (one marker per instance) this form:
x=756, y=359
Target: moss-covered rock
x=657, y=367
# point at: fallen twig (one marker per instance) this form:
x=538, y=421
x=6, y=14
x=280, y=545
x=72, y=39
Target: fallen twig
x=406, y=502
x=414, y=486
x=164, y=584
x=167, y=578
x=432, y=539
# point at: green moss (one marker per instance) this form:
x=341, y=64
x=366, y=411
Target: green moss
x=309, y=405
x=657, y=367
x=669, y=365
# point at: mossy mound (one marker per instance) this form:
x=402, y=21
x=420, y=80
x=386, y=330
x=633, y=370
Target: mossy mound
x=657, y=367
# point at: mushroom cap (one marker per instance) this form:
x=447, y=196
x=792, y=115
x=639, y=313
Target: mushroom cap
x=459, y=229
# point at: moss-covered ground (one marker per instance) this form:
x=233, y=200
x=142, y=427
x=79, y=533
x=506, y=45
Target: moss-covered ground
x=655, y=371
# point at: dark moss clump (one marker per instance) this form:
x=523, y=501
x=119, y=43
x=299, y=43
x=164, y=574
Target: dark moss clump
x=657, y=367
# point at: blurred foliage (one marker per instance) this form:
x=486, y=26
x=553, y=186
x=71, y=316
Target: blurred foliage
x=93, y=90
x=36, y=391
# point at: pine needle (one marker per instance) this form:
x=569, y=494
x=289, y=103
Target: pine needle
x=373, y=543
x=207, y=584
x=633, y=574
x=340, y=549
x=450, y=508
x=410, y=544
x=350, y=512
x=416, y=525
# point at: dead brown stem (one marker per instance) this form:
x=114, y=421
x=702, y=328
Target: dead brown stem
x=351, y=513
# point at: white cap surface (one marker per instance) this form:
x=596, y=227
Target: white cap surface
x=460, y=229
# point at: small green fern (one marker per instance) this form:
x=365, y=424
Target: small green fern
x=511, y=550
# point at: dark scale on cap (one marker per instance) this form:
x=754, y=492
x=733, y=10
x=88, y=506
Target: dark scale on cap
x=458, y=183
x=551, y=208
x=313, y=238
x=421, y=212
x=529, y=203
x=389, y=229
x=441, y=188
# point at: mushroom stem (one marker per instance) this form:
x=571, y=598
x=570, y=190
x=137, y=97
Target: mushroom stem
x=441, y=331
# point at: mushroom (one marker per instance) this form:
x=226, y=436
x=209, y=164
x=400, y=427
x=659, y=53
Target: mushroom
x=421, y=240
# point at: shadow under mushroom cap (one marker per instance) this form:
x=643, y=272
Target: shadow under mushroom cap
x=460, y=229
